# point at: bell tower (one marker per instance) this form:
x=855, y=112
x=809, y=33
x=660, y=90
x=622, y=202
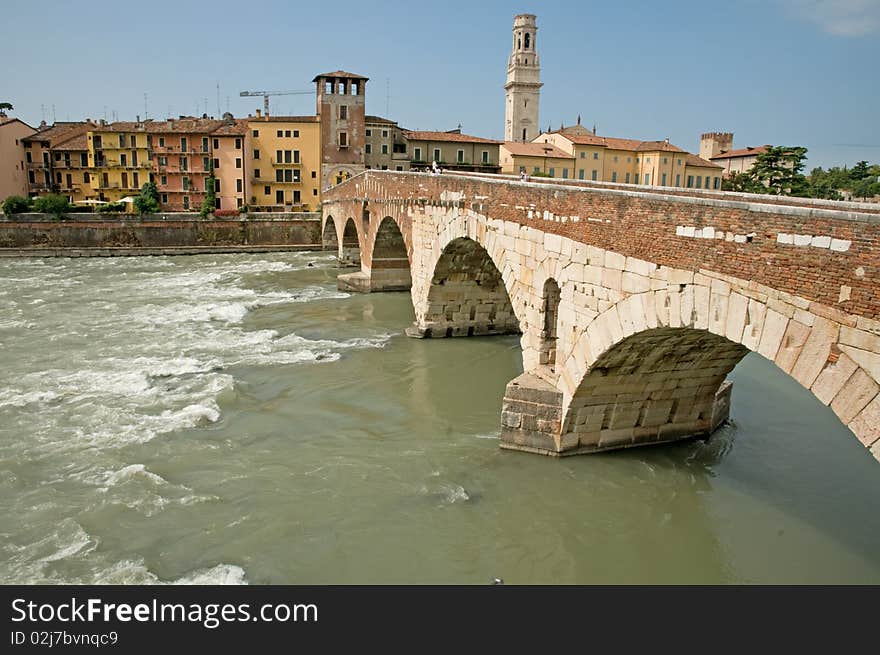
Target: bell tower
x=523, y=87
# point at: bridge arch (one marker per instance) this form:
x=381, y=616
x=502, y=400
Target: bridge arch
x=653, y=367
x=466, y=294
x=330, y=235
x=350, y=249
x=389, y=264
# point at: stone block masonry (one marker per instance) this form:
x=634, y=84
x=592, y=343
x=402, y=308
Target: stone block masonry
x=653, y=304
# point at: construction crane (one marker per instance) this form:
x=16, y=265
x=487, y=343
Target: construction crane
x=266, y=95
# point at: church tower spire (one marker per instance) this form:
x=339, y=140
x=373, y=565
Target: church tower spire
x=523, y=87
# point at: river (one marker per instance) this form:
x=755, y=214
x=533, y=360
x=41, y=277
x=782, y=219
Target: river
x=236, y=419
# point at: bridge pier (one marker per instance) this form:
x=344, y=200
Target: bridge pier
x=532, y=419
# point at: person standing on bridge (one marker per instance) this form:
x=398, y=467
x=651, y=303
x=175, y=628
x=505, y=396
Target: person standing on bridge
x=434, y=168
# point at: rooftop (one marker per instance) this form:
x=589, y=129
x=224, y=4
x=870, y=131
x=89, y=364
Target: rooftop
x=693, y=160
x=284, y=119
x=457, y=137
x=742, y=152
x=535, y=150
x=340, y=73
x=60, y=131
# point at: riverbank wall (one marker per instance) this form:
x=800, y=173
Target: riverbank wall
x=109, y=235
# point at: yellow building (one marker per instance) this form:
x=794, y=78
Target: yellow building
x=535, y=159
x=285, y=163
x=70, y=168
x=46, y=170
x=453, y=150
x=119, y=157
x=630, y=161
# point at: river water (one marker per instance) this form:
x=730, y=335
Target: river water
x=236, y=419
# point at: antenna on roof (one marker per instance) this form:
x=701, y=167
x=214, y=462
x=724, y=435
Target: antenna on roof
x=146, y=107
x=53, y=113
x=218, y=98
x=387, y=97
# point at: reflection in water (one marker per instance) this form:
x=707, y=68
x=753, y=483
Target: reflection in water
x=237, y=419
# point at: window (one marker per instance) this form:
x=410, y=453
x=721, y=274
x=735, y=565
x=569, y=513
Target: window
x=614, y=159
x=296, y=156
x=256, y=154
x=163, y=161
x=135, y=179
x=706, y=185
x=678, y=179
x=28, y=157
x=485, y=157
x=314, y=192
x=280, y=133
x=384, y=148
x=186, y=202
x=313, y=175
x=238, y=185
x=186, y=184
x=123, y=159
x=278, y=156
x=161, y=141
x=121, y=140
x=595, y=155
x=398, y=168
x=205, y=144
x=184, y=163
x=663, y=180
x=581, y=174
x=164, y=198
x=238, y=162
x=238, y=144
x=552, y=172
x=437, y=155
x=279, y=175
x=296, y=134
x=699, y=181
x=279, y=197
x=565, y=173
x=216, y=163
x=296, y=196
x=717, y=184
x=679, y=162
x=87, y=179
x=183, y=143
x=267, y=191
x=690, y=181
x=537, y=169
x=384, y=167
x=369, y=132
x=666, y=160
x=257, y=173
x=384, y=134
x=57, y=156
x=288, y=157
x=134, y=158
x=459, y=156
x=58, y=177
x=206, y=163
x=647, y=178
x=208, y=184
x=368, y=149
x=163, y=180
x=417, y=154
x=255, y=133
x=595, y=175
x=583, y=154
x=637, y=178
x=343, y=112
x=287, y=133
x=614, y=176
x=343, y=140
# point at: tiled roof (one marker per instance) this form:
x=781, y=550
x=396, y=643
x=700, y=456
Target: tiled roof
x=379, y=119
x=183, y=126
x=76, y=142
x=237, y=128
x=340, y=74
x=742, y=152
x=535, y=150
x=653, y=146
x=447, y=136
x=693, y=160
x=284, y=119
x=5, y=120
x=59, y=132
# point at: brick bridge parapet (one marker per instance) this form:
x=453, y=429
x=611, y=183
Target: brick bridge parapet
x=633, y=304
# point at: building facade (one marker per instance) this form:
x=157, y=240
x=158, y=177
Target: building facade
x=542, y=159
x=717, y=147
x=453, y=150
x=70, y=168
x=13, y=170
x=231, y=150
x=285, y=164
x=386, y=146
x=182, y=160
x=523, y=87
x=119, y=158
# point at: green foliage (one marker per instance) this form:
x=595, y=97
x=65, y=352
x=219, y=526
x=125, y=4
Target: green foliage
x=16, y=205
x=111, y=208
x=780, y=170
x=209, y=204
x=742, y=183
x=52, y=204
x=147, y=202
x=860, y=181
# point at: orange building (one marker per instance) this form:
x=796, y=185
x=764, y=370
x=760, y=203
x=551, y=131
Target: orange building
x=13, y=169
x=231, y=144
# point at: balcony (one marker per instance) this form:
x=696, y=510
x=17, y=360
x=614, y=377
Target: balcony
x=283, y=182
x=36, y=165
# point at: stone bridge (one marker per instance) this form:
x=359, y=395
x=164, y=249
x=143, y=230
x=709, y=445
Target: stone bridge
x=633, y=303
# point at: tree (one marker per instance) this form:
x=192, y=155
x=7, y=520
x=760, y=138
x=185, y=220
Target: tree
x=860, y=171
x=866, y=188
x=52, y=204
x=15, y=205
x=742, y=183
x=5, y=105
x=780, y=170
x=210, y=202
x=148, y=200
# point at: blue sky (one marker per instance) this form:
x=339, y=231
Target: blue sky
x=789, y=72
